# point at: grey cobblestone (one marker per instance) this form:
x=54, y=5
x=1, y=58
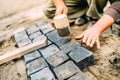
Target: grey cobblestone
x=55, y=38
x=59, y=54
x=20, y=36
x=35, y=35
x=44, y=74
x=79, y=76
x=49, y=51
x=39, y=38
x=32, y=29
x=40, y=24
x=46, y=28
x=24, y=42
x=49, y=43
x=36, y=65
x=66, y=70
x=57, y=59
x=70, y=46
x=82, y=57
x=31, y=56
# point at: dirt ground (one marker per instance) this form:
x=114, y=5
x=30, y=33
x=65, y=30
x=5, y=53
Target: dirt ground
x=107, y=59
x=13, y=70
x=16, y=70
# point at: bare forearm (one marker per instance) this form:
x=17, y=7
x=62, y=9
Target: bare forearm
x=103, y=23
x=57, y=2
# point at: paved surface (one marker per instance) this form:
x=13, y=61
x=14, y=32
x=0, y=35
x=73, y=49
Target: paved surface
x=61, y=59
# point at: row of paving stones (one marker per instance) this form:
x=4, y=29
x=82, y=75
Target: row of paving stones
x=61, y=59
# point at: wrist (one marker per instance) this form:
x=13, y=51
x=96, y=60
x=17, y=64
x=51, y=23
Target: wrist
x=98, y=28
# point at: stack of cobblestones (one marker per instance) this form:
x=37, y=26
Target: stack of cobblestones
x=61, y=59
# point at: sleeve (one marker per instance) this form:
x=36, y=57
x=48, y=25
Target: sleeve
x=114, y=10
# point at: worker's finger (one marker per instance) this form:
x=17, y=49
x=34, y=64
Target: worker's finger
x=98, y=43
x=65, y=11
x=85, y=37
x=92, y=42
x=79, y=36
x=89, y=40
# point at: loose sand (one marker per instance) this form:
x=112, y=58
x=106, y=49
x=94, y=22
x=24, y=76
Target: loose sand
x=107, y=59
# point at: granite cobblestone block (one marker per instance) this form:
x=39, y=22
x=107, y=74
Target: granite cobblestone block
x=40, y=24
x=36, y=65
x=82, y=57
x=46, y=28
x=39, y=38
x=32, y=29
x=79, y=76
x=49, y=51
x=44, y=74
x=35, y=35
x=66, y=70
x=62, y=58
x=70, y=46
x=49, y=43
x=24, y=42
x=20, y=36
x=57, y=59
x=55, y=38
x=31, y=56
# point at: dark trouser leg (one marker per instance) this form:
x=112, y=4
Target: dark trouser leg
x=96, y=8
x=76, y=8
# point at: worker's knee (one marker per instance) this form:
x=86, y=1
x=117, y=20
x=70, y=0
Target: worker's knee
x=49, y=9
x=49, y=13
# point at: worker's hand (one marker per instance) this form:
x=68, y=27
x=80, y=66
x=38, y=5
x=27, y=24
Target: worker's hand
x=61, y=9
x=90, y=37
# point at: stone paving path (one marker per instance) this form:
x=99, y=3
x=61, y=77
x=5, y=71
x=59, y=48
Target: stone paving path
x=61, y=59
